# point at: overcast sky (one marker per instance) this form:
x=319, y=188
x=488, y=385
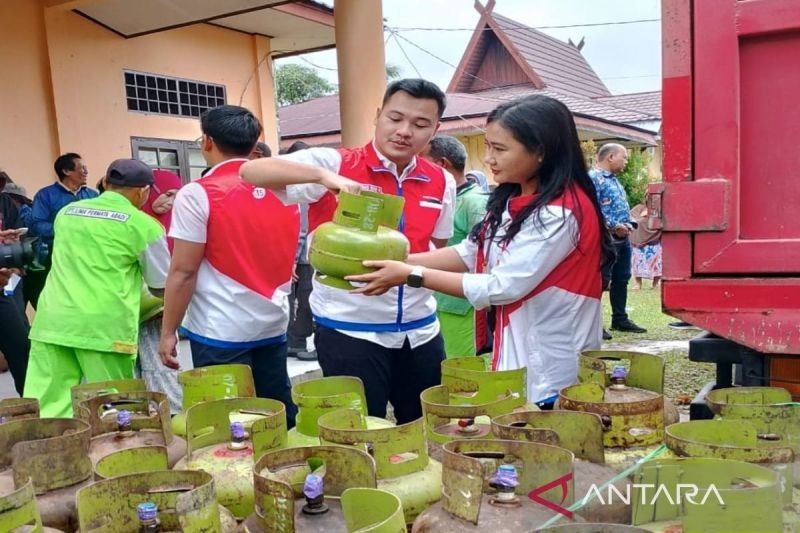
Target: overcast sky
x=626, y=57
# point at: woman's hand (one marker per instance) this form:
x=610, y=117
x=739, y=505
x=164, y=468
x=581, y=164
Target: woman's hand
x=388, y=274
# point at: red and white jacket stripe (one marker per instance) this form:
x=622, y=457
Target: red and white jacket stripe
x=545, y=285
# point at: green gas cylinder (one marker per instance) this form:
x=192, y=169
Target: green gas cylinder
x=451, y=413
x=343, y=498
x=129, y=420
x=19, y=513
x=363, y=227
x=54, y=454
x=582, y=434
x=629, y=399
x=316, y=397
x=219, y=445
x=400, y=453
x=770, y=410
x=84, y=391
x=186, y=501
x=216, y=382
x=147, y=459
x=131, y=461
x=706, y=495
x=476, y=497
x=18, y=408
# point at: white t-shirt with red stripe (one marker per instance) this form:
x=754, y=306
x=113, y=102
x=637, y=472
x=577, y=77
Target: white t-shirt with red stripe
x=241, y=295
x=545, y=285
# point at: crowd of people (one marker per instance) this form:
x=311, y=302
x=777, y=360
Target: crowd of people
x=514, y=272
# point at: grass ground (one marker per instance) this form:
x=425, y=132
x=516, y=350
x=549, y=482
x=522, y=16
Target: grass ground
x=682, y=377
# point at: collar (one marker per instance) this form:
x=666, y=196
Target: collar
x=79, y=189
x=380, y=163
x=113, y=197
x=464, y=187
x=233, y=163
x=605, y=173
x=518, y=203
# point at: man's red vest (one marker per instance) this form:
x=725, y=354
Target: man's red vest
x=423, y=190
x=252, y=236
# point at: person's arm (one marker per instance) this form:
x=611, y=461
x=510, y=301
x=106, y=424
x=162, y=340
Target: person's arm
x=315, y=166
x=181, y=281
x=7, y=237
x=533, y=253
x=188, y=230
x=441, y=259
x=444, y=224
x=154, y=262
x=41, y=218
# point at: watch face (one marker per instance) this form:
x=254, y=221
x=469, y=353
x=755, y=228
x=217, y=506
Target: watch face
x=414, y=280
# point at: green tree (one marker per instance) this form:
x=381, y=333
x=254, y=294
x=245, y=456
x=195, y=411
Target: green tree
x=298, y=83
x=392, y=71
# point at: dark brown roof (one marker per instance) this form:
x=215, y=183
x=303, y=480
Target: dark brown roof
x=560, y=65
x=646, y=102
x=321, y=115
x=505, y=52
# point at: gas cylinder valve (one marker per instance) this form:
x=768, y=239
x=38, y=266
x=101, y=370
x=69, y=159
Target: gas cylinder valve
x=313, y=490
x=618, y=377
x=124, y=420
x=148, y=518
x=237, y=436
x=467, y=426
x=505, y=481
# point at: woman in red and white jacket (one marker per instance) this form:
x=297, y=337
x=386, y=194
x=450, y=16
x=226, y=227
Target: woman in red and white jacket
x=535, y=259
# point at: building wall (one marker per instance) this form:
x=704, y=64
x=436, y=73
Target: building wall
x=28, y=138
x=72, y=75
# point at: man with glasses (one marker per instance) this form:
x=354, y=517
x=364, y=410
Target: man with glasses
x=70, y=187
x=87, y=323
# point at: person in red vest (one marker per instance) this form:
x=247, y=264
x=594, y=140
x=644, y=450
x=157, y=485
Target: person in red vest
x=231, y=269
x=392, y=343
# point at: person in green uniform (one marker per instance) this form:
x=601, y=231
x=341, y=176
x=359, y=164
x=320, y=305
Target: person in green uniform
x=87, y=322
x=456, y=315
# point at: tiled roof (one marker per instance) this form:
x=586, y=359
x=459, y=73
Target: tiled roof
x=560, y=65
x=647, y=102
x=321, y=115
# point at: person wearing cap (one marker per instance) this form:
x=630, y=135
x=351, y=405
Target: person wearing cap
x=87, y=322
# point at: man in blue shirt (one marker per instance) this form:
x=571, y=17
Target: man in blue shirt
x=611, y=160
x=70, y=187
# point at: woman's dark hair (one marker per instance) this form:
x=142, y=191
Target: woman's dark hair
x=544, y=126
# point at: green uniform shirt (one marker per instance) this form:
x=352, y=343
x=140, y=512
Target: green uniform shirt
x=103, y=249
x=470, y=210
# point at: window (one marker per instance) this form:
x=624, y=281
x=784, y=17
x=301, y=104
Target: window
x=151, y=93
x=184, y=158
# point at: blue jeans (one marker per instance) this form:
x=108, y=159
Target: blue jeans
x=615, y=280
x=267, y=362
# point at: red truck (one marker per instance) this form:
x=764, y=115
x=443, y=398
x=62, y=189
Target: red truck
x=729, y=204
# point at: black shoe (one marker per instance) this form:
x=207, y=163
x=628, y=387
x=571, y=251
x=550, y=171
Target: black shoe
x=306, y=355
x=606, y=335
x=627, y=325
x=292, y=351
x=682, y=325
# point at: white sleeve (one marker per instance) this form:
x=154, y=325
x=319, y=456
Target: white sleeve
x=190, y=214
x=467, y=250
x=444, y=226
x=535, y=251
x=308, y=193
x=154, y=261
